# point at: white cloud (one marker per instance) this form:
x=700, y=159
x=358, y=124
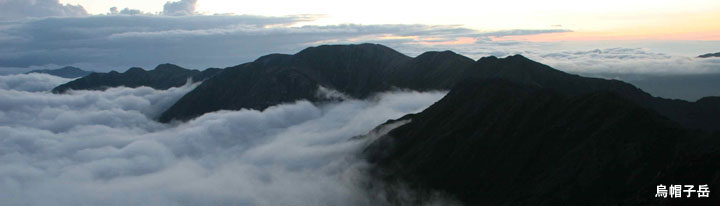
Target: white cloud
x=628, y=60
x=102, y=148
x=117, y=107
x=180, y=8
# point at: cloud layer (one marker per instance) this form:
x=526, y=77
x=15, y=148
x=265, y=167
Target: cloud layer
x=34, y=82
x=102, y=148
x=629, y=60
x=15, y=9
x=103, y=43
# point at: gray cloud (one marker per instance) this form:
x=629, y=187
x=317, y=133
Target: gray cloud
x=180, y=8
x=34, y=82
x=102, y=43
x=18, y=9
x=102, y=148
x=92, y=41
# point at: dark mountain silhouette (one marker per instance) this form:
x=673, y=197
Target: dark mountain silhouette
x=163, y=76
x=519, y=69
x=356, y=70
x=362, y=70
x=497, y=142
x=708, y=55
x=65, y=72
x=511, y=131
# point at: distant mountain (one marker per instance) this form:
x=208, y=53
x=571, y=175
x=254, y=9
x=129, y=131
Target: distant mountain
x=498, y=142
x=163, y=76
x=65, y=72
x=364, y=69
x=708, y=55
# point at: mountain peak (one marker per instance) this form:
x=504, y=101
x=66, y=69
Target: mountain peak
x=169, y=67
x=273, y=59
x=517, y=57
x=135, y=70
x=446, y=53
x=365, y=49
x=70, y=68
x=487, y=58
x=511, y=58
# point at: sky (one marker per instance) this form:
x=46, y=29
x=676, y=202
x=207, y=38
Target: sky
x=609, y=39
x=610, y=19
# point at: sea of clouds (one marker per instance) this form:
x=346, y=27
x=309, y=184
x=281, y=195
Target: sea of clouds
x=104, y=148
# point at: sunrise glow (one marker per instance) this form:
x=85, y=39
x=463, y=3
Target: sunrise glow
x=599, y=20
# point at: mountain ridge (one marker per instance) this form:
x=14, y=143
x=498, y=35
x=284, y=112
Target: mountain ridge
x=356, y=70
x=364, y=69
x=709, y=55
x=65, y=72
x=361, y=70
x=498, y=142
x=163, y=76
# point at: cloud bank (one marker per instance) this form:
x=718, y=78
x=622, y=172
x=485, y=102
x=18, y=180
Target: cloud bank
x=16, y=9
x=34, y=82
x=102, y=148
x=587, y=58
x=629, y=60
x=118, y=42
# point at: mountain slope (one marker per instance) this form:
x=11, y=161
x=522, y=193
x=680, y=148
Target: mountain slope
x=525, y=71
x=356, y=70
x=431, y=71
x=65, y=72
x=163, y=76
x=497, y=142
